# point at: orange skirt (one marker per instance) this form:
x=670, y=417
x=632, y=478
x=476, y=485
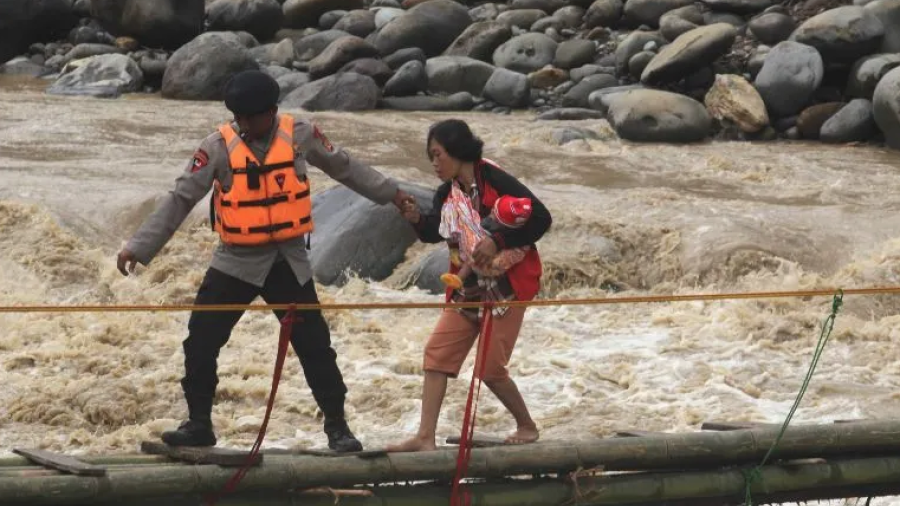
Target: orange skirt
x=454, y=335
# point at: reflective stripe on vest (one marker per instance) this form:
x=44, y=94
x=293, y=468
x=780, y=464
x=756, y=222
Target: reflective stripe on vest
x=267, y=202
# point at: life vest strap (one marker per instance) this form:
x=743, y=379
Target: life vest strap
x=267, y=229
x=266, y=202
x=264, y=169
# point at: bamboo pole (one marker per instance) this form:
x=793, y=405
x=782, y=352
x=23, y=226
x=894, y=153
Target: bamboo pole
x=838, y=478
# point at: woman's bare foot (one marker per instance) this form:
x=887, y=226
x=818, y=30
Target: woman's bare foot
x=416, y=444
x=523, y=435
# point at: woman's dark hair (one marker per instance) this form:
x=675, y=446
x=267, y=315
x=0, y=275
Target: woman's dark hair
x=457, y=139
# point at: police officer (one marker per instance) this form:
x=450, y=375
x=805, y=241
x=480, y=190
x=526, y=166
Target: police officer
x=261, y=208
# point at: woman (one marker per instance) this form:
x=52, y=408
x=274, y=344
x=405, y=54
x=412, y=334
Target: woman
x=456, y=155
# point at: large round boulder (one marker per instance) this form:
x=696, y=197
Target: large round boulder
x=886, y=107
x=155, y=23
x=658, y=116
x=431, y=26
x=790, y=76
x=260, y=18
x=526, y=53
x=200, y=69
x=690, y=52
x=842, y=35
x=347, y=91
x=355, y=235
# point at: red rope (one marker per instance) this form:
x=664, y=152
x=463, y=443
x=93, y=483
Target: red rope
x=287, y=325
x=458, y=495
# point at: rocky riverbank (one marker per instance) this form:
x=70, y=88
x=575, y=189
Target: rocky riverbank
x=658, y=70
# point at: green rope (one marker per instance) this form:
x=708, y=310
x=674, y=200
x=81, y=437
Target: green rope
x=756, y=473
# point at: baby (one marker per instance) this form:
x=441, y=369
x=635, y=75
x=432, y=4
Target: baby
x=507, y=213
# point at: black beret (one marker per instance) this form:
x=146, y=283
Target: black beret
x=251, y=92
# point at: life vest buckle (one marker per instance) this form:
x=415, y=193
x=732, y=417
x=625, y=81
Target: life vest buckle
x=253, y=174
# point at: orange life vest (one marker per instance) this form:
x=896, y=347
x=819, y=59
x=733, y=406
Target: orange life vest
x=267, y=202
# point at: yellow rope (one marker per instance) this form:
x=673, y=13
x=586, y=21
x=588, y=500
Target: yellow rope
x=440, y=305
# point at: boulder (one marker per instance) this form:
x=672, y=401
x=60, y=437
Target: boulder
x=431, y=26
x=200, y=69
x=155, y=23
x=348, y=91
x=790, y=76
x=733, y=98
x=658, y=116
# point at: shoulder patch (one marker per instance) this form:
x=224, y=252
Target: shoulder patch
x=200, y=160
x=322, y=139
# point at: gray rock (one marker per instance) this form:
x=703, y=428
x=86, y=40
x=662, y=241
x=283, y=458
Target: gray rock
x=200, y=69
x=574, y=53
x=772, y=27
x=658, y=116
x=521, y=18
x=689, y=52
x=526, y=53
x=571, y=16
x=544, y=5
x=103, y=75
x=304, y=13
x=87, y=50
x=330, y=18
x=290, y=82
x=886, y=107
x=507, y=88
x=854, y=122
x=427, y=275
x=867, y=71
x=633, y=44
x=579, y=94
x=586, y=70
x=756, y=60
x=281, y=53
x=569, y=114
x=339, y=53
x=738, y=6
x=341, y=92
x=791, y=74
x=394, y=4
x=485, y=12
x=648, y=12
x=384, y=16
x=842, y=35
x=311, y=46
x=154, y=23
x=888, y=12
x=359, y=22
x=672, y=27
x=431, y=26
x=462, y=101
x=639, y=62
x=262, y=18
x=408, y=80
x=276, y=71
x=711, y=18
x=356, y=235
x=603, y=13
x=400, y=57
x=451, y=74
x=599, y=100
x=480, y=40
x=372, y=67
x=566, y=135
x=22, y=66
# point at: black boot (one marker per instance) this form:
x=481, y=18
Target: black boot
x=340, y=438
x=191, y=433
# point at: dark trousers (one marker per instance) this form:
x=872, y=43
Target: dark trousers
x=208, y=331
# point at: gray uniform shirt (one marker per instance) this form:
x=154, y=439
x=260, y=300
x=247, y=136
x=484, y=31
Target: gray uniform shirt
x=210, y=163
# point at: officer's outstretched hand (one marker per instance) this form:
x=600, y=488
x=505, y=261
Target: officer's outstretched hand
x=401, y=198
x=126, y=259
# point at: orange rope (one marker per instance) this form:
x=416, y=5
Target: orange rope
x=441, y=305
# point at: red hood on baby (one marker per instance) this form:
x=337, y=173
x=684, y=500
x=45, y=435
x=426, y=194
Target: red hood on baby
x=512, y=212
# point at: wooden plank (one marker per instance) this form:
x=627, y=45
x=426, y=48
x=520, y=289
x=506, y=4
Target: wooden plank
x=480, y=441
x=201, y=454
x=720, y=426
x=640, y=433
x=60, y=462
x=365, y=454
